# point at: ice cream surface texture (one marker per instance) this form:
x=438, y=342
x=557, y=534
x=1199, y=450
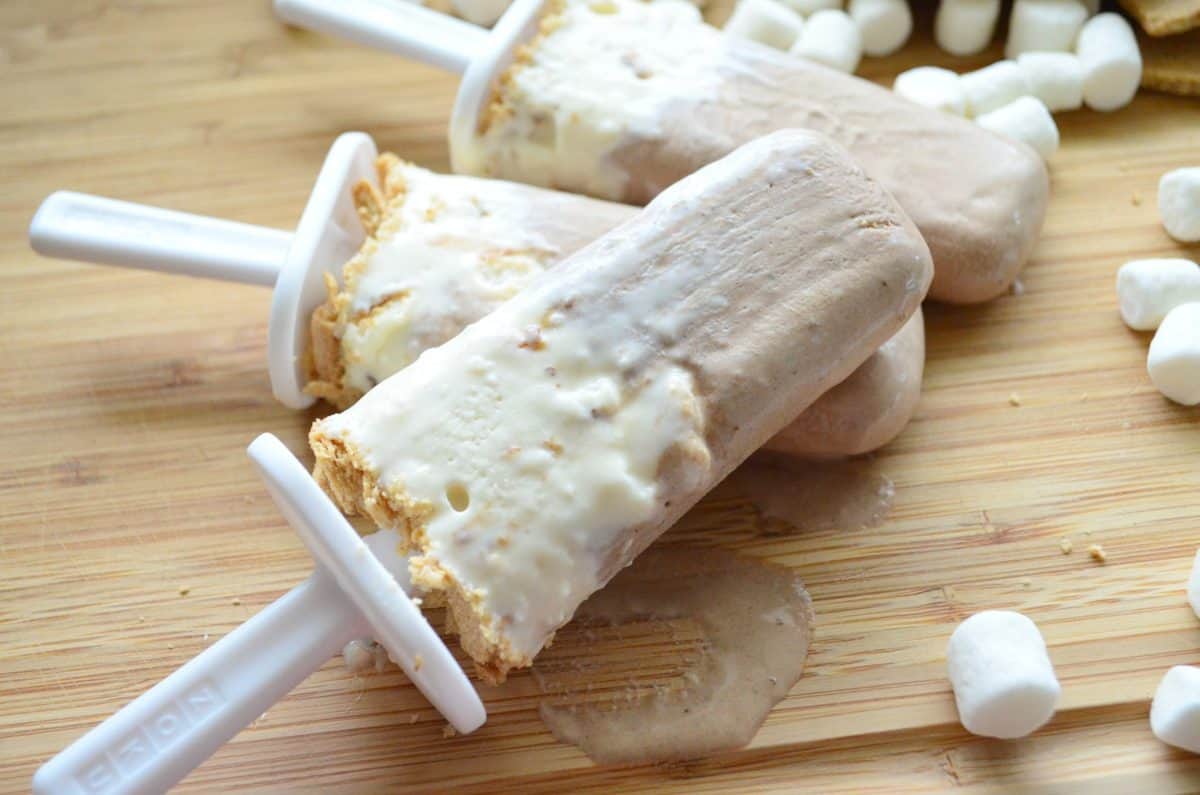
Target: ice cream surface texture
x=534, y=455
x=443, y=250
x=621, y=98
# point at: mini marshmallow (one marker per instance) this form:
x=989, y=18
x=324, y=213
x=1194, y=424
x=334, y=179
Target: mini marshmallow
x=883, y=24
x=1193, y=588
x=1174, y=358
x=1003, y=681
x=765, y=21
x=1147, y=289
x=932, y=87
x=1111, y=60
x=1175, y=711
x=964, y=27
x=1043, y=26
x=806, y=8
x=830, y=37
x=1056, y=78
x=993, y=86
x=1179, y=204
x=1027, y=120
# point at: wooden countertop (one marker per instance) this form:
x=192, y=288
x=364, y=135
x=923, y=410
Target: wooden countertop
x=128, y=398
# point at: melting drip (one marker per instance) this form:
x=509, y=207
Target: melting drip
x=682, y=654
x=815, y=495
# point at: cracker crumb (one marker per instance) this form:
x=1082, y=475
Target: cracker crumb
x=1065, y=545
x=414, y=718
x=184, y=590
x=1136, y=198
x=1098, y=554
x=141, y=619
x=418, y=661
x=235, y=601
x=1014, y=399
x=449, y=731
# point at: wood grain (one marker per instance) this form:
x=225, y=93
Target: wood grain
x=127, y=400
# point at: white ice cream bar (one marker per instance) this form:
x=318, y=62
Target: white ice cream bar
x=580, y=419
x=1004, y=683
x=1179, y=203
x=1043, y=26
x=622, y=98
x=1175, y=710
x=1147, y=289
x=965, y=27
x=442, y=251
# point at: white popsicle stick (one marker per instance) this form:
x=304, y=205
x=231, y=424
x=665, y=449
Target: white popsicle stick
x=166, y=732
x=77, y=226
x=395, y=26
x=110, y=232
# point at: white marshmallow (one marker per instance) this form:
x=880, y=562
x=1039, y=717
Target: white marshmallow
x=765, y=21
x=830, y=37
x=1147, y=289
x=1043, y=26
x=807, y=8
x=1003, y=681
x=1179, y=204
x=1056, y=78
x=1027, y=120
x=964, y=27
x=932, y=87
x=883, y=24
x=1174, y=358
x=1112, y=62
x=1193, y=588
x=993, y=86
x=1175, y=711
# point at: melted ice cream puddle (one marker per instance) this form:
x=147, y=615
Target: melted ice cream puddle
x=739, y=631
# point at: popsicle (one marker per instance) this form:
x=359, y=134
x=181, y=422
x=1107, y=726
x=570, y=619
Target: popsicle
x=359, y=587
x=443, y=251
x=534, y=455
x=621, y=98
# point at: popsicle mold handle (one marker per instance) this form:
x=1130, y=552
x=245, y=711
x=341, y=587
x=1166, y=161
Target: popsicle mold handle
x=95, y=229
x=395, y=26
x=161, y=736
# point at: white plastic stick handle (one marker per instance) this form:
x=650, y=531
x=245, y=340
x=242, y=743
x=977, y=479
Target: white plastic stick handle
x=162, y=735
x=397, y=26
x=95, y=229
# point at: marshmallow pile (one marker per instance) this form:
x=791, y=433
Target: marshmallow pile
x=1163, y=295
x=1057, y=59
x=821, y=31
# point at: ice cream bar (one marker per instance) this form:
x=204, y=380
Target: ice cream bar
x=534, y=455
x=620, y=98
x=442, y=251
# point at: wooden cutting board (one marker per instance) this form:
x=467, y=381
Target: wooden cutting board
x=133, y=532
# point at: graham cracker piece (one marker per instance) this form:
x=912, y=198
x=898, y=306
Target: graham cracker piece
x=1164, y=17
x=1172, y=64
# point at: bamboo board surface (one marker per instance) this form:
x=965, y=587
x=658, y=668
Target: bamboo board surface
x=127, y=400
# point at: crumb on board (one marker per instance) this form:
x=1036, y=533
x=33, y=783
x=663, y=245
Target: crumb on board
x=1098, y=554
x=1065, y=545
x=235, y=601
x=1136, y=198
x=184, y=590
x=414, y=718
x=1014, y=399
x=449, y=731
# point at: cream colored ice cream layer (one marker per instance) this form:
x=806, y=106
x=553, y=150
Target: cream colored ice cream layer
x=533, y=456
x=621, y=98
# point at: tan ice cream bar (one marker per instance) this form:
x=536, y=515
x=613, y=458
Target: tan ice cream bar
x=443, y=251
x=621, y=98
x=579, y=420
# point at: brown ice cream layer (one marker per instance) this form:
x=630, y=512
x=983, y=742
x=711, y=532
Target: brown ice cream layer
x=775, y=307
